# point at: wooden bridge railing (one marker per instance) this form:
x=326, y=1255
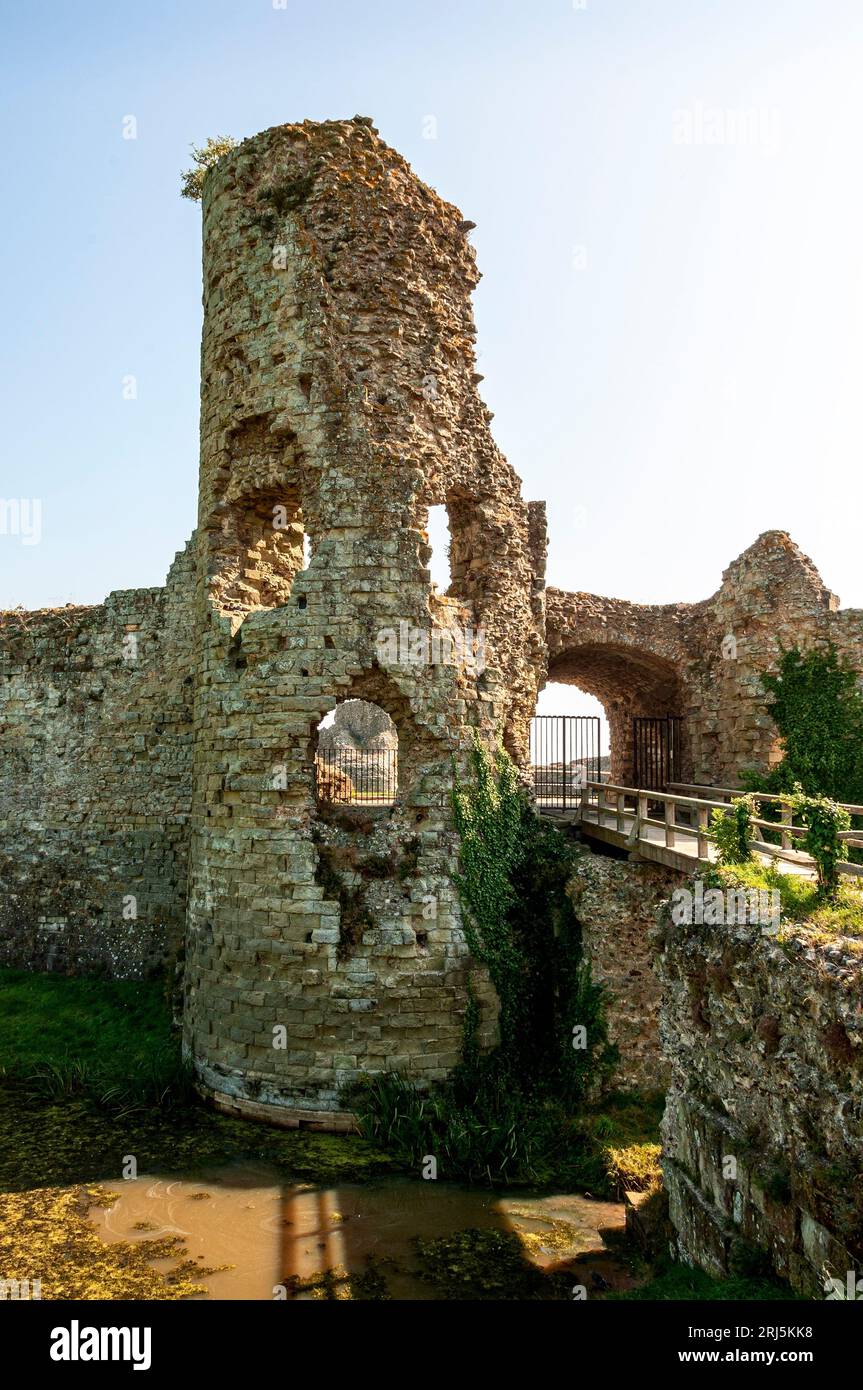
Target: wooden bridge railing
x=631, y=807
x=785, y=827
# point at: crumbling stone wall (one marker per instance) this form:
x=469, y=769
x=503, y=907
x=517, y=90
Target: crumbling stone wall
x=617, y=905
x=763, y=1128
x=95, y=780
x=339, y=397
x=702, y=660
x=158, y=769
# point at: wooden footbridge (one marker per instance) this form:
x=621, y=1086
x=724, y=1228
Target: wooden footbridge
x=661, y=819
x=670, y=827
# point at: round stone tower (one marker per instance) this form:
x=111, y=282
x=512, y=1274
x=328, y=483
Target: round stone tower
x=338, y=404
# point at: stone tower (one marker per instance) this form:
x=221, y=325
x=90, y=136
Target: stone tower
x=338, y=404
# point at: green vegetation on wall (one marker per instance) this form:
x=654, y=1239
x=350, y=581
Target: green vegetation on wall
x=203, y=160
x=509, y=1115
x=825, y=822
x=817, y=705
x=519, y=922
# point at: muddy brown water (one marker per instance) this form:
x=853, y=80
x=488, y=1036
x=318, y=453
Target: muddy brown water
x=245, y=1217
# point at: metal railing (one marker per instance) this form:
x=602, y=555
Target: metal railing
x=564, y=754
x=657, y=750
x=357, y=776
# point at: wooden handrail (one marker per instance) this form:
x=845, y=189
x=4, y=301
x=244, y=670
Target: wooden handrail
x=610, y=799
x=657, y=796
x=782, y=800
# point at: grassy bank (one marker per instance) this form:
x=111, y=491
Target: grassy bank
x=109, y=1040
x=801, y=901
x=90, y=1070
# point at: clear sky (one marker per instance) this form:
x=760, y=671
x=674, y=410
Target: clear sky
x=670, y=222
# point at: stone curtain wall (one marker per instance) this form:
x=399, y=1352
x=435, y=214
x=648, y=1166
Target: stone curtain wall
x=701, y=660
x=763, y=1141
x=339, y=394
x=617, y=905
x=95, y=780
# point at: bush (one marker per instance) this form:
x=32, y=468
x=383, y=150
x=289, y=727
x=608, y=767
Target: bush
x=824, y=822
x=731, y=831
x=817, y=706
x=204, y=159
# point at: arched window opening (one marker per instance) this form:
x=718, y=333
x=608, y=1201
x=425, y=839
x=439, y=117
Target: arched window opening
x=357, y=755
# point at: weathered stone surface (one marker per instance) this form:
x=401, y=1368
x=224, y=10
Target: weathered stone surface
x=700, y=660
x=617, y=904
x=338, y=394
x=95, y=780
x=763, y=1129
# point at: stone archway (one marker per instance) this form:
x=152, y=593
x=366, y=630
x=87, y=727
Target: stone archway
x=632, y=657
x=628, y=682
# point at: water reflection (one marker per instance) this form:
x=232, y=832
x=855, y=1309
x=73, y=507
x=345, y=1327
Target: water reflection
x=351, y=1240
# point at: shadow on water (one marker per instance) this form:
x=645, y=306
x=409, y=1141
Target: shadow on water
x=301, y=1215
x=393, y=1238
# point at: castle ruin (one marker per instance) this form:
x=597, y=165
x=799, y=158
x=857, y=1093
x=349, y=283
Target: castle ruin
x=159, y=794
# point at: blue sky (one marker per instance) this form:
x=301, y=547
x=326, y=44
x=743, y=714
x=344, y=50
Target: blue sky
x=670, y=322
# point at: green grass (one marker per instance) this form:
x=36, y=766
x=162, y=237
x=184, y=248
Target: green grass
x=800, y=898
x=110, y=1040
x=625, y=1132
x=481, y=1130
x=678, y=1283
x=484, y=1128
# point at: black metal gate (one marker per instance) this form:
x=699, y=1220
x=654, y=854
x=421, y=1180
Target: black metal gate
x=564, y=754
x=657, y=752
